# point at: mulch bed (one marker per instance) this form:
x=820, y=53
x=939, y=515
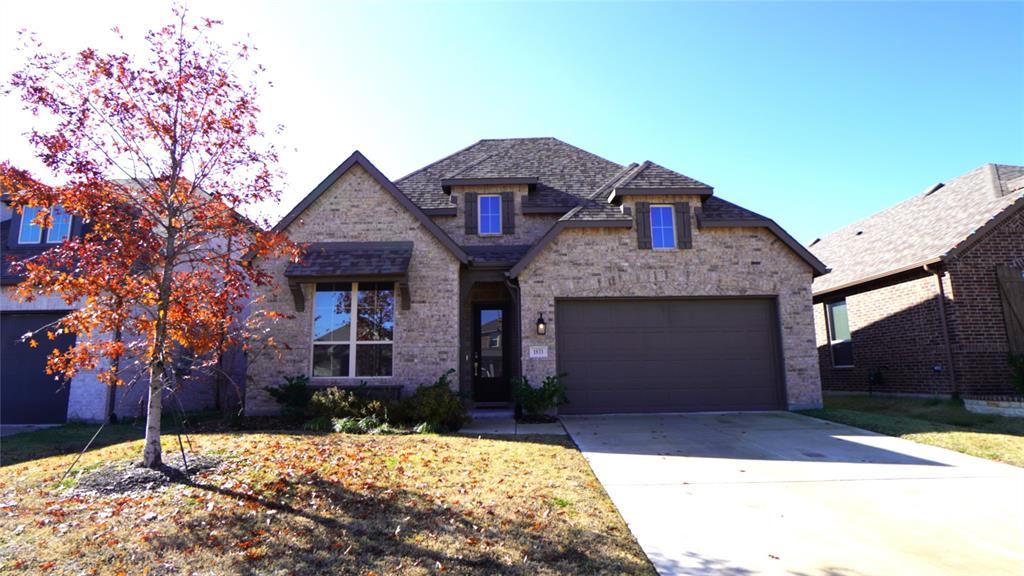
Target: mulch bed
x=129, y=476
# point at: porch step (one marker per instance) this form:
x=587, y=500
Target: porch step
x=498, y=411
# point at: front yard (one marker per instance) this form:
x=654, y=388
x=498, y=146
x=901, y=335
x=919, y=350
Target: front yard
x=289, y=503
x=939, y=422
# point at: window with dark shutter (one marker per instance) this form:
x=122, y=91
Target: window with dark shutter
x=642, y=221
x=471, y=207
x=684, y=236
x=508, y=213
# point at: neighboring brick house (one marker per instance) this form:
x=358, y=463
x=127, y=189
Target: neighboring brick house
x=28, y=395
x=531, y=257
x=929, y=292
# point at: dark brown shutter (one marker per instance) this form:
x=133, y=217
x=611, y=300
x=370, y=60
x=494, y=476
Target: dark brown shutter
x=471, y=208
x=508, y=213
x=684, y=236
x=1011, y=292
x=643, y=225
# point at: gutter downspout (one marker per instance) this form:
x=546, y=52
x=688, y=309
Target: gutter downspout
x=945, y=329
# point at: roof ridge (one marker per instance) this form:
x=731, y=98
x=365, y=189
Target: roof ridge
x=639, y=170
x=613, y=180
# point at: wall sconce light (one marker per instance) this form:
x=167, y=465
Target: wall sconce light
x=542, y=327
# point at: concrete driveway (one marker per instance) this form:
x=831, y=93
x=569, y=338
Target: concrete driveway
x=778, y=493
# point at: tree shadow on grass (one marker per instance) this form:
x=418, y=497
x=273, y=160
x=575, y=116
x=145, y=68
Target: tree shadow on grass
x=392, y=532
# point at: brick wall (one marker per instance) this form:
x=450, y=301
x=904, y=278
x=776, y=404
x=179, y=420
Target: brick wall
x=529, y=228
x=980, y=344
x=895, y=327
x=357, y=208
x=584, y=262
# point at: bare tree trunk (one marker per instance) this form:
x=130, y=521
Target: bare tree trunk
x=151, y=453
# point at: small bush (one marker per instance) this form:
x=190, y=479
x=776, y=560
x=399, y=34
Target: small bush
x=293, y=396
x=435, y=406
x=365, y=425
x=537, y=401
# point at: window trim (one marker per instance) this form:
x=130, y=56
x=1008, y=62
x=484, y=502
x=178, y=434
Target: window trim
x=353, y=341
x=480, y=215
x=672, y=217
x=830, y=330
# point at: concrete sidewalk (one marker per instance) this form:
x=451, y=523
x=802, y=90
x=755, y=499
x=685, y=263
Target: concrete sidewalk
x=780, y=493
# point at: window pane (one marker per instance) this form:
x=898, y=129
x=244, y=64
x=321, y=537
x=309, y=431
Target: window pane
x=60, y=225
x=332, y=320
x=376, y=309
x=373, y=359
x=490, y=215
x=491, y=354
x=840, y=320
x=330, y=359
x=29, y=233
x=663, y=234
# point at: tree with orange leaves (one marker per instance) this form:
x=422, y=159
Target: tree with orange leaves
x=159, y=154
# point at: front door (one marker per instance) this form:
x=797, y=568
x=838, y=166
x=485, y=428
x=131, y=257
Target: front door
x=490, y=363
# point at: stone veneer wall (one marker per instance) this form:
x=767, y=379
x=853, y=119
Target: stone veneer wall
x=356, y=208
x=586, y=262
x=529, y=228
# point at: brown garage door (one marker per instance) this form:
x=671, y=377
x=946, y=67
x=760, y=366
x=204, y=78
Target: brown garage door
x=685, y=355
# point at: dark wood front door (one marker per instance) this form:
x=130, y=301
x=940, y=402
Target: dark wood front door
x=490, y=360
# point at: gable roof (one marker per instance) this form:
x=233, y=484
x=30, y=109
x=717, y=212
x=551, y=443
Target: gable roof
x=924, y=229
x=358, y=158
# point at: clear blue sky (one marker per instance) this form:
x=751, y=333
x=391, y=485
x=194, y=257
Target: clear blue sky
x=813, y=114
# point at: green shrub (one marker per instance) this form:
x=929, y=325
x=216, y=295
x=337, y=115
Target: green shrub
x=535, y=402
x=318, y=424
x=351, y=403
x=1017, y=365
x=434, y=406
x=293, y=396
x=365, y=425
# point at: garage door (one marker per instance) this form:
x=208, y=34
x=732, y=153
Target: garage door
x=687, y=355
x=27, y=394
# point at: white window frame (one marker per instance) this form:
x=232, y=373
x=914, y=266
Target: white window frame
x=26, y=220
x=353, y=341
x=672, y=218
x=830, y=328
x=480, y=215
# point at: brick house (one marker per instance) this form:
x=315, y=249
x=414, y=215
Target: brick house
x=929, y=292
x=531, y=257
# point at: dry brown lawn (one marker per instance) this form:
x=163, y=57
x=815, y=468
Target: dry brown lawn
x=286, y=503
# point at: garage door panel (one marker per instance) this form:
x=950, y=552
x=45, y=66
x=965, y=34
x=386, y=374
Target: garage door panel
x=669, y=355
x=27, y=394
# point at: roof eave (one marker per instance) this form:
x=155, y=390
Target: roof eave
x=817, y=265
x=702, y=191
x=877, y=276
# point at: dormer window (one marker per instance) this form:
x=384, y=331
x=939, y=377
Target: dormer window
x=31, y=233
x=490, y=215
x=663, y=230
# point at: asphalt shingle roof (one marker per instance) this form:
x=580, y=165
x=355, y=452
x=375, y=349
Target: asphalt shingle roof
x=651, y=175
x=352, y=258
x=926, y=226
x=567, y=175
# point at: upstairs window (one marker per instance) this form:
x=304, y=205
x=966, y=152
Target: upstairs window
x=31, y=233
x=60, y=226
x=663, y=229
x=840, y=339
x=489, y=215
